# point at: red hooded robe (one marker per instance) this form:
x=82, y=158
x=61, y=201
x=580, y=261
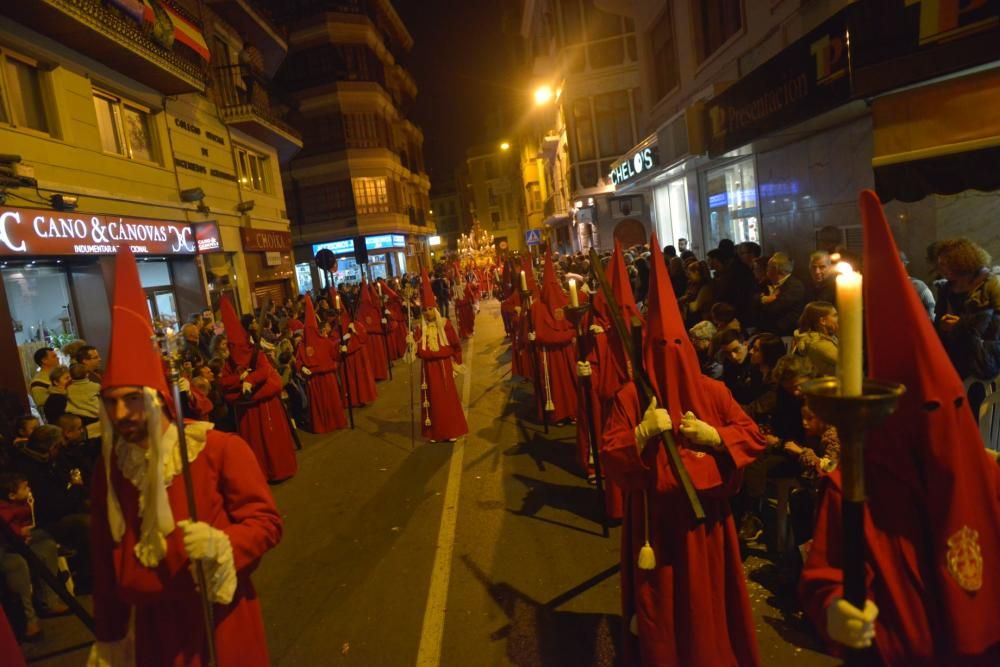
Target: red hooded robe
x=260, y=415
x=360, y=379
x=321, y=356
x=369, y=313
x=555, y=338
x=692, y=610
x=932, y=516
x=441, y=414
x=465, y=308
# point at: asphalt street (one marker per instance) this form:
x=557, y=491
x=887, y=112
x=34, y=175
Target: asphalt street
x=487, y=551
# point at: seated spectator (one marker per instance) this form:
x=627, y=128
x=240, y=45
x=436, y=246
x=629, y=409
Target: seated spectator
x=45, y=359
x=765, y=352
x=818, y=453
x=701, y=336
x=678, y=276
x=823, y=278
x=17, y=512
x=816, y=337
x=747, y=252
x=723, y=316
x=84, y=401
x=923, y=291
x=789, y=374
x=77, y=451
x=738, y=374
x=697, y=301
x=55, y=406
x=781, y=305
x=24, y=426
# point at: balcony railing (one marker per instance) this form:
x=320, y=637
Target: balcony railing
x=244, y=92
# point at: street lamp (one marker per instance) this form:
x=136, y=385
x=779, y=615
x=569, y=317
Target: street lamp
x=543, y=95
x=505, y=146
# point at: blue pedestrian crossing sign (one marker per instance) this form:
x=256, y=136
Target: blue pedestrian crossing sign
x=533, y=237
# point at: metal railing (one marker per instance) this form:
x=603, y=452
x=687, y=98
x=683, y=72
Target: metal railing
x=242, y=90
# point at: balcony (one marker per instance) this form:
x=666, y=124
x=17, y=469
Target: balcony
x=247, y=100
x=253, y=20
x=95, y=30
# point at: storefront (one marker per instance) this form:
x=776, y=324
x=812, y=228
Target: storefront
x=270, y=267
x=387, y=257
x=56, y=270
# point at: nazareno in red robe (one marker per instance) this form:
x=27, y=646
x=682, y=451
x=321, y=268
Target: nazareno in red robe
x=231, y=495
x=358, y=371
x=322, y=358
x=555, y=342
x=444, y=407
x=465, y=308
x=692, y=610
x=369, y=314
x=260, y=416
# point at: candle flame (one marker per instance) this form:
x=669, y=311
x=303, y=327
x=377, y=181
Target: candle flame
x=844, y=268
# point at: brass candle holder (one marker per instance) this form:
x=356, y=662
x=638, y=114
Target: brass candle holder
x=853, y=417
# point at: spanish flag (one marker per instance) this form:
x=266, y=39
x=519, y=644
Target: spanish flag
x=184, y=31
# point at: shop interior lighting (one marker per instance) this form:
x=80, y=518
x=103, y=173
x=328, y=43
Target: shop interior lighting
x=61, y=202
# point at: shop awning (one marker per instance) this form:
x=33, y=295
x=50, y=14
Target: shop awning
x=937, y=139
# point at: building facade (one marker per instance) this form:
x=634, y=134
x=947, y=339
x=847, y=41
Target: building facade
x=448, y=213
x=588, y=57
x=763, y=121
x=113, y=131
x=361, y=173
x=493, y=190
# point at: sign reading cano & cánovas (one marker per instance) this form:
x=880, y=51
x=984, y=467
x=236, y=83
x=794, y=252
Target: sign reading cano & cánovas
x=807, y=78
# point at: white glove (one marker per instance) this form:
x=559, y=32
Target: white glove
x=409, y=338
x=346, y=337
x=583, y=369
x=385, y=321
x=201, y=541
x=459, y=369
x=306, y=371
x=244, y=374
x=119, y=653
x=184, y=384
x=596, y=329
x=848, y=625
x=531, y=335
x=699, y=433
x=388, y=313
x=654, y=422
x=517, y=310
x=247, y=387
x=212, y=547
x=352, y=328
x=343, y=348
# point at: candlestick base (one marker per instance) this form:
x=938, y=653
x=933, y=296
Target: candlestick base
x=525, y=293
x=575, y=313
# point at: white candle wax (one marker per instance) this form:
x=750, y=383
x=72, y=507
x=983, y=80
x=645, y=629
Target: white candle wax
x=524, y=282
x=338, y=301
x=379, y=286
x=574, y=298
x=850, y=364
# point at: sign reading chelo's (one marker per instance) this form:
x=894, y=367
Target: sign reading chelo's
x=36, y=232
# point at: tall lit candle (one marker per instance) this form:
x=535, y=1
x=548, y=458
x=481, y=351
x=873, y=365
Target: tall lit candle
x=338, y=301
x=574, y=298
x=850, y=365
x=379, y=286
x=524, y=282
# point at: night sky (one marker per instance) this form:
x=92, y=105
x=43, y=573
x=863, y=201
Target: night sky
x=464, y=68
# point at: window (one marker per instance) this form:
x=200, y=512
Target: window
x=492, y=196
x=661, y=41
x=614, y=123
x=534, y=198
x=733, y=210
x=715, y=22
x=370, y=195
x=124, y=127
x=583, y=129
x=495, y=218
x=253, y=169
x=21, y=89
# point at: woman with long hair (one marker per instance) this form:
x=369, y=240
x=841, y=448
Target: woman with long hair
x=816, y=337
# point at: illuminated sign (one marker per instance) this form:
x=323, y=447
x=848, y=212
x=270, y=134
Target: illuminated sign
x=25, y=231
x=380, y=242
x=206, y=236
x=635, y=164
x=434, y=240
x=265, y=240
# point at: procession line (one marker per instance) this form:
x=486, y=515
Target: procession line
x=432, y=634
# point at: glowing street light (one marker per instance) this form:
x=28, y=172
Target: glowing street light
x=543, y=95
x=505, y=146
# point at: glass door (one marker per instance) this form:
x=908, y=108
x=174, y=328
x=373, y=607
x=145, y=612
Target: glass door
x=733, y=207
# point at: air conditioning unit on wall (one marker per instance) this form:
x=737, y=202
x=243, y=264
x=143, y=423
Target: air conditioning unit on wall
x=626, y=207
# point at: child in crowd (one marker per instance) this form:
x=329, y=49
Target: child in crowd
x=724, y=317
x=17, y=512
x=819, y=452
x=23, y=428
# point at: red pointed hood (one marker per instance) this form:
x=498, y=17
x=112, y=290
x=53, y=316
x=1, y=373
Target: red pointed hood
x=618, y=372
x=669, y=356
x=427, y=299
x=240, y=349
x=552, y=294
x=133, y=358
x=368, y=311
x=311, y=324
x=390, y=293
x=932, y=443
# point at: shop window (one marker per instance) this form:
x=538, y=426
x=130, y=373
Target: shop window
x=732, y=206
x=303, y=272
x=253, y=169
x=614, y=123
x=715, y=22
x=22, y=101
x=583, y=129
x=125, y=127
x=370, y=195
x=40, y=307
x=663, y=46
x=671, y=211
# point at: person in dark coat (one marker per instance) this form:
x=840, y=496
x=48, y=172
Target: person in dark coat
x=781, y=306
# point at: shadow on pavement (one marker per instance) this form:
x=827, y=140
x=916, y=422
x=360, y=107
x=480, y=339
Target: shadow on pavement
x=577, y=500
x=539, y=636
